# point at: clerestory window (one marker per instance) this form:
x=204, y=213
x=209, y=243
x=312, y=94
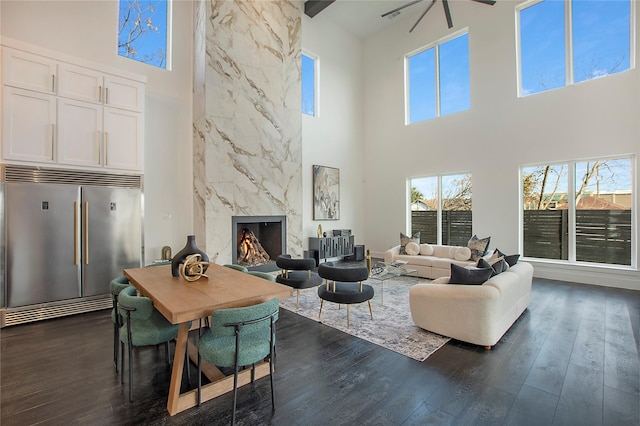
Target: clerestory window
x=144, y=30
x=567, y=42
x=437, y=79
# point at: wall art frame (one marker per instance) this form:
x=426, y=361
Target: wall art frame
x=326, y=193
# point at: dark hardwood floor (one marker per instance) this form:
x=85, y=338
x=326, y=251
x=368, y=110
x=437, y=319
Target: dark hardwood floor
x=572, y=358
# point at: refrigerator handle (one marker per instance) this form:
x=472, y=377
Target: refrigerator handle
x=86, y=233
x=75, y=233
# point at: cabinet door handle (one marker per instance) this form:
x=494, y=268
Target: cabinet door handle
x=106, y=148
x=53, y=83
x=99, y=93
x=53, y=140
x=106, y=95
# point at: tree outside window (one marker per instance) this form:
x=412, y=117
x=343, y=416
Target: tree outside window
x=142, y=31
x=441, y=209
x=579, y=211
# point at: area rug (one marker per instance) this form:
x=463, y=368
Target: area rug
x=391, y=327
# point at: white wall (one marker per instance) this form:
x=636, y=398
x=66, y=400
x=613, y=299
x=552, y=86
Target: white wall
x=334, y=137
x=88, y=30
x=493, y=139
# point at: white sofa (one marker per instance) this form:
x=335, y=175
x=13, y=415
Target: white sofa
x=478, y=314
x=433, y=265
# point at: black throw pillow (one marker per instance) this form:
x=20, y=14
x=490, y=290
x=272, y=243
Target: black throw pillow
x=462, y=275
x=511, y=259
x=497, y=267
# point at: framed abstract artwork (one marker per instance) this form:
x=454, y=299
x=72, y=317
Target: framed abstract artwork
x=326, y=193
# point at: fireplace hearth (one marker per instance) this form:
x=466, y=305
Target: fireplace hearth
x=258, y=241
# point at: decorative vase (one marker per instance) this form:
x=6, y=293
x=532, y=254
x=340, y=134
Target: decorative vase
x=181, y=256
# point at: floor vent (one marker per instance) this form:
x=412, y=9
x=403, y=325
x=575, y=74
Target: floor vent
x=14, y=316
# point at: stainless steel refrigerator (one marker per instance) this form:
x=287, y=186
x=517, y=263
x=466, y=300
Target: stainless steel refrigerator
x=68, y=240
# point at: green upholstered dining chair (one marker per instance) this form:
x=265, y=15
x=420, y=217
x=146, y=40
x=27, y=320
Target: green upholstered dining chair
x=115, y=287
x=240, y=337
x=261, y=274
x=236, y=267
x=143, y=326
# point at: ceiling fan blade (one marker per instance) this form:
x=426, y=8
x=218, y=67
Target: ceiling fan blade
x=489, y=2
x=447, y=13
x=423, y=13
x=398, y=9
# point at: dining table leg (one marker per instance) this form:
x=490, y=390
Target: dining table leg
x=178, y=365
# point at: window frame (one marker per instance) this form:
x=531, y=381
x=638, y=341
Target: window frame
x=568, y=35
x=439, y=200
x=168, y=38
x=436, y=46
x=571, y=212
x=316, y=84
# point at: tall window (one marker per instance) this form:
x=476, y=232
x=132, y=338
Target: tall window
x=143, y=31
x=579, y=211
x=309, y=84
x=441, y=209
x=438, y=80
x=566, y=42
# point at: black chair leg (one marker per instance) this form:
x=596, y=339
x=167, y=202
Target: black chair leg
x=199, y=378
x=122, y=363
x=273, y=395
x=115, y=345
x=130, y=373
x=235, y=393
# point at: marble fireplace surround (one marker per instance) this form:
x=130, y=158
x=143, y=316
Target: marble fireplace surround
x=270, y=231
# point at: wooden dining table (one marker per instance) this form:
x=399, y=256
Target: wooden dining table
x=182, y=301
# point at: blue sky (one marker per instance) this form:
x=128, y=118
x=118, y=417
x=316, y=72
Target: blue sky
x=600, y=37
x=308, y=85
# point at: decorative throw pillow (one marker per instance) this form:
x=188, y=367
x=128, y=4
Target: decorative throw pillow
x=478, y=246
x=499, y=266
x=426, y=249
x=412, y=249
x=462, y=253
x=511, y=259
x=462, y=275
x=405, y=239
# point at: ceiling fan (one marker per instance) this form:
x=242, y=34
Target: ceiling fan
x=445, y=4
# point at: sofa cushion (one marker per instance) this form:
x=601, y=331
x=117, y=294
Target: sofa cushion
x=426, y=249
x=404, y=240
x=462, y=275
x=478, y=246
x=462, y=253
x=412, y=249
x=511, y=259
x=498, y=266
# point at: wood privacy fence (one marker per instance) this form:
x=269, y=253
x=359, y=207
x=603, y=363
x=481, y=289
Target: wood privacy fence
x=602, y=236
x=456, y=226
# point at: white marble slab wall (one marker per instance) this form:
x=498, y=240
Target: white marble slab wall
x=247, y=119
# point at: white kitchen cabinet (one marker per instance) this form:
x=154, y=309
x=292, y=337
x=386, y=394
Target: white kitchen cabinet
x=72, y=113
x=123, y=133
x=80, y=83
x=28, y=71
x=28, y=125
x=123, y=93
x=79, y=133
x=88, y=85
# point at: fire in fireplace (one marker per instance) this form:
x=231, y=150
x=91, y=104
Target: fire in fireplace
x=258, y=241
